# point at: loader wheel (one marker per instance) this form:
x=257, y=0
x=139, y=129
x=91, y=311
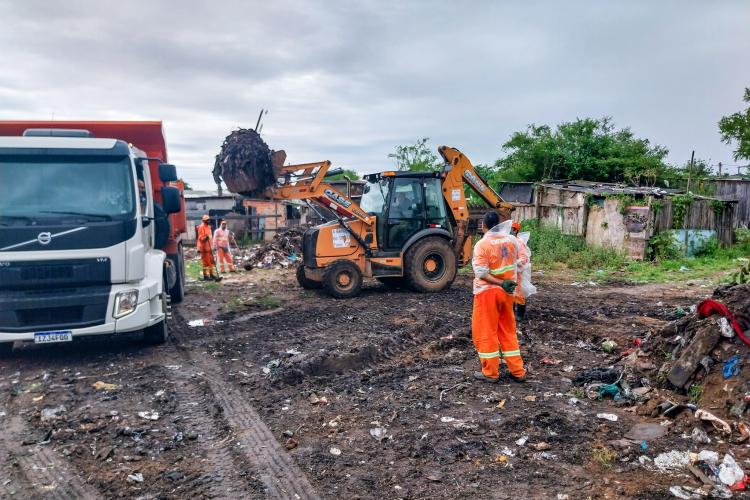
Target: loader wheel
x=306, y=282
x=343, y=279
x=430, y=265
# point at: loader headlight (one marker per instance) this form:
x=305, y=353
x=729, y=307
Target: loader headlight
x=125, y=303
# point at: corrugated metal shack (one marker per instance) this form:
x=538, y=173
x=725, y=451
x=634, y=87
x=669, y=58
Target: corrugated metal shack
x=618, y=216
x=734, y=188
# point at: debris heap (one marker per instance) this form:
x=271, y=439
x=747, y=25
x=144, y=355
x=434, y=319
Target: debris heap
x=245, y=163
x=283, y=250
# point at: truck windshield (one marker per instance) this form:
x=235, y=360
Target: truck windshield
x=49, y=190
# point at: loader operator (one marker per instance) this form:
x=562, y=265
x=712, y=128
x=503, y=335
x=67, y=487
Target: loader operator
x=496, y=260
x=222, y=236
x=205, y=249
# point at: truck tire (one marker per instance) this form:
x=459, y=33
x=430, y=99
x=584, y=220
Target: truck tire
x=5, y=349
x=306, y=282
x=177, y=292
x=343, y=279
x=430, y=265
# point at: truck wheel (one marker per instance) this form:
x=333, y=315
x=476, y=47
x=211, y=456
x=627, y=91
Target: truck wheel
x=392, y=283
x=343, y=279
x=306, y=282
x=430, y=265
x=5, y=349
x=156, y=334
x=177, y=292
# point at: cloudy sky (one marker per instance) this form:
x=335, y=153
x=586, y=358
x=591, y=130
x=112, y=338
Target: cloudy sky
x=348, y=80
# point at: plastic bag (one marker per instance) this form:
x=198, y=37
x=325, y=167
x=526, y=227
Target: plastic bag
x=527, y=288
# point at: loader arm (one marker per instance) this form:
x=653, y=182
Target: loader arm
x=458, y=171
x=307, y=182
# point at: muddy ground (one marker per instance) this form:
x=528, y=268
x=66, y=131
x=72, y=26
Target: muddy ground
x=293, y=394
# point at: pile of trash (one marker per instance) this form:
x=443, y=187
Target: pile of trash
x=246, y=164
x=704, y=351
x=284, y=250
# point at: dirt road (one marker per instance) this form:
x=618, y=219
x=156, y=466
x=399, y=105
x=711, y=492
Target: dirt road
x=291, y=394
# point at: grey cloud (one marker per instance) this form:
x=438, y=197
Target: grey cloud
x=347, y=81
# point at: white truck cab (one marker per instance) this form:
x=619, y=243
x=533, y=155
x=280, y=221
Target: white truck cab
x=79, y=239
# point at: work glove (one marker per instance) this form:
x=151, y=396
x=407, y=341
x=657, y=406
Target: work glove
x=509, y=286
x=205, y=238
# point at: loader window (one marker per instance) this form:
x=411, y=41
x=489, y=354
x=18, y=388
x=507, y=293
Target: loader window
x=406, y=213
x=375, y=196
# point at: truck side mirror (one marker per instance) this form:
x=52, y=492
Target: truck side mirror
x=167, y=172
x=171, y=201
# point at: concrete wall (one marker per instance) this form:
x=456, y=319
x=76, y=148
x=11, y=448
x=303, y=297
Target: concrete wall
x=562, y=209
x=607, y=227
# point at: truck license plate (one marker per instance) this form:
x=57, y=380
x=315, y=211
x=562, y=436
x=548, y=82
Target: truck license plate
x=49, y=337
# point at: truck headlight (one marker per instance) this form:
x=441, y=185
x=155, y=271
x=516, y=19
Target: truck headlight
x=125, y=303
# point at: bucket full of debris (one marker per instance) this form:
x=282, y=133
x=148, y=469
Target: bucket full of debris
x=246, y=164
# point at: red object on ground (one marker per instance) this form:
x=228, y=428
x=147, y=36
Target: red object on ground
x=708, y=307
x=637, y=341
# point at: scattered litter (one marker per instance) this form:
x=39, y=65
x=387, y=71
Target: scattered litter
x=531, y=398
x=203, y=322
x=708, y=457
x=103, y=386
x=281, y=252
x=685, y=492
x=573, y=401
x=541, y=446
x=137, y=477
x=729, y=472
x=447, y=420
x=719, y=424
x=378, y=433
x=726, y=328
x=731, y=366
x=609, y=346
x=549, y=360
x=672, y=460
x=522, y=440
x=149, y=415
x=334, y=451
x=646, y=432
x=607, y=416
x=699, y=436
x=435, y=476
x=501, y=404
x=314, y=399
x=604, y=375
x=52, y=413
x=544, y=455
x=568, y=369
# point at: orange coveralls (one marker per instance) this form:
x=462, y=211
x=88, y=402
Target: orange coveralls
x=221, y=240
x=493, y=323
x=204, y=247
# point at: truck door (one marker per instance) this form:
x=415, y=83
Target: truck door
x=406, y=212
x=145, y=201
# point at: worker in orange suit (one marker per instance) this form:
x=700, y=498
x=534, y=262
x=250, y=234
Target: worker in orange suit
x=222, y=237
x=205, y=249
x=496, y=261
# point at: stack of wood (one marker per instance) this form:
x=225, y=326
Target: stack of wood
x=246, y=164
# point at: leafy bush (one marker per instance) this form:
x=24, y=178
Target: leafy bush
x=662, y=247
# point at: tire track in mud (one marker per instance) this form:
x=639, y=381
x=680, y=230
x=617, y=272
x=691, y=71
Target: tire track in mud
x=223, y=481
x=41, y=471
x=256, y=443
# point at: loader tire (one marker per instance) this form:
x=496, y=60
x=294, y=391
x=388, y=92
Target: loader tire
x=343, y=279
x=430, y=265
x=306, y=282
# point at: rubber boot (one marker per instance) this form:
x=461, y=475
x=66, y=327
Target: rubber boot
x=520, y=310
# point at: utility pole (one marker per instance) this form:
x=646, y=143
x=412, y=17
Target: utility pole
x=690, y=170
x=719, y=169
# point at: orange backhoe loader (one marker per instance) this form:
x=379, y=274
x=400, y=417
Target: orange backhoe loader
x=410, y=228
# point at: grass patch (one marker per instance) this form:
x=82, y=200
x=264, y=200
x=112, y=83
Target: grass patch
x=552, y=249
x=268, y=302
x=695, y=392
x=193, y=269
x=603, y=456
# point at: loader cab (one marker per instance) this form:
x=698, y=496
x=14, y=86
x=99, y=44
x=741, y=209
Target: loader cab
x=404, y=204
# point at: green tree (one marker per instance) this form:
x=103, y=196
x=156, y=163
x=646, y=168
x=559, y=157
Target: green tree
x=417, y=157
x=587, y=149
x=736, y=128
x=351, y=174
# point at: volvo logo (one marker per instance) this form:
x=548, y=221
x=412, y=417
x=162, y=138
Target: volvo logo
x=44, y=238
